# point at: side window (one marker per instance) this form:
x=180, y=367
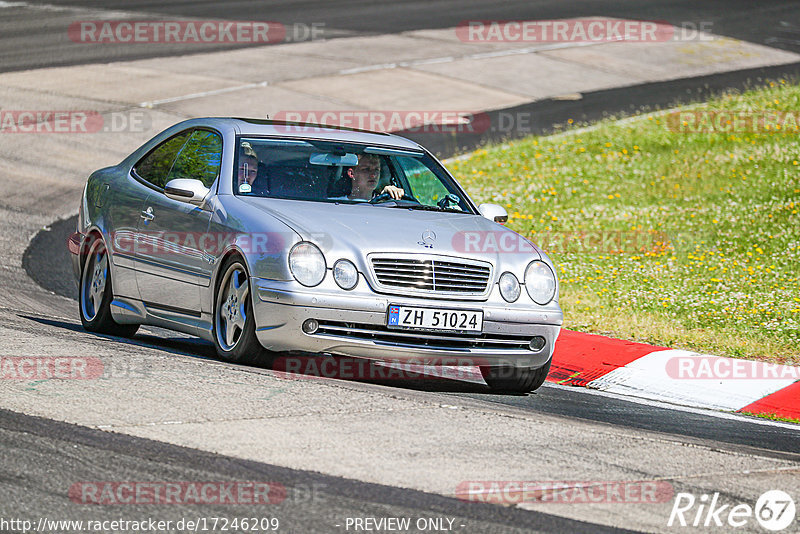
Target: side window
x=425, y=186
x=155, y=166
x=200, y=158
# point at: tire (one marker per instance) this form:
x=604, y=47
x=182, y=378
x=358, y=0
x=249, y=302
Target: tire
x=234, y=323
x=515, y=379
x=95, y=293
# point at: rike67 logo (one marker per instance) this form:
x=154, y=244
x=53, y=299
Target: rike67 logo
x=774, y=510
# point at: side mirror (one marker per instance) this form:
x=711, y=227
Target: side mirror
x=186, y=190
x=494, y=212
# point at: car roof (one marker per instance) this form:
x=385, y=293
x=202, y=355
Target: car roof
x=302, y=130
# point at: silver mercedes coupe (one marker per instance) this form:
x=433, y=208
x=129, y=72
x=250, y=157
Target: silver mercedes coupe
x=265, y=237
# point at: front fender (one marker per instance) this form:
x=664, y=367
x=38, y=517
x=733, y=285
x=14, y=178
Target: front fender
x=262, y=240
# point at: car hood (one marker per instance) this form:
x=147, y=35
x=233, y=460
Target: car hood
x=369, y=228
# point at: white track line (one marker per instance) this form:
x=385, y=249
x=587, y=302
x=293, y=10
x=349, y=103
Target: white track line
x=191, y=96
x=479, y=55
x=99, y=12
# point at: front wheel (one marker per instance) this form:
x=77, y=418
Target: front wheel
x=515, y=379
x=234, y=323
x=96, y=293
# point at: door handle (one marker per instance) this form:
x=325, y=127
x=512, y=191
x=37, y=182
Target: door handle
x=147, y=215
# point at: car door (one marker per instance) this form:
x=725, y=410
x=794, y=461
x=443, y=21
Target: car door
x=172, y=266
x=125, y=211
x=122, y=218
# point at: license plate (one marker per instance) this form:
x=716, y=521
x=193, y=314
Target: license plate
x=435, y=319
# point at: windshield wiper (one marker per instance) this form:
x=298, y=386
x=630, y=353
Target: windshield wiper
x=424, y=207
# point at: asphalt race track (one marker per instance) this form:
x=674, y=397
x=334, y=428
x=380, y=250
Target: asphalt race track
x=43, y=457
x=26, y=39
x=47, y=262
x=313, y=502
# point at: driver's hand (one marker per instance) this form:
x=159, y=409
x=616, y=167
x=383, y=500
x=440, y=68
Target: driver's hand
x=393, y=191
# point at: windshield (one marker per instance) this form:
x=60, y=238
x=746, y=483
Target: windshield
x=325, y=171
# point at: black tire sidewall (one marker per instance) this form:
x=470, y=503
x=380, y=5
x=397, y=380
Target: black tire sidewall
x=103, y=322
x=247, y=348
x=516, y=379
x=102, y=319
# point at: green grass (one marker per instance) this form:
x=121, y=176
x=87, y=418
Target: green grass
x=701, y=230
x=772, y=417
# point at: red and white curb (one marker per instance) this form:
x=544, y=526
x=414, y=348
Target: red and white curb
x=675, y=376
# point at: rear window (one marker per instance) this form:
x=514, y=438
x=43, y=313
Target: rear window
x=155, y=166
x=199, y=158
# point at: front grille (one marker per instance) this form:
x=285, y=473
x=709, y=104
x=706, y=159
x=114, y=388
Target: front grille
x=430, y=340
x=432, y=274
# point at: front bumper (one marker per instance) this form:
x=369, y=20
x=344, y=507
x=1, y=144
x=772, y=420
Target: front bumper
x=354, y=324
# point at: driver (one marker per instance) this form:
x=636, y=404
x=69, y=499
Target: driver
x=365, y=178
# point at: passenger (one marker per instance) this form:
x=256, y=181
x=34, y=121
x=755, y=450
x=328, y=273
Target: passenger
x=365, y=177
x=248, y=168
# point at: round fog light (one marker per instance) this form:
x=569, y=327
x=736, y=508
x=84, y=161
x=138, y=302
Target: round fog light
x=538, y=343
x=310, y=326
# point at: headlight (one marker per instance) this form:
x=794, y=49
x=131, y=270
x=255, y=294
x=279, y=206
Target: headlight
x=345, y=274
x=307, y=264
x=540, y=282
x=509, y=287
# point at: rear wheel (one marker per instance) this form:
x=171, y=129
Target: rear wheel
x=515, y=379
x=234, y=324
x=96, y=293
